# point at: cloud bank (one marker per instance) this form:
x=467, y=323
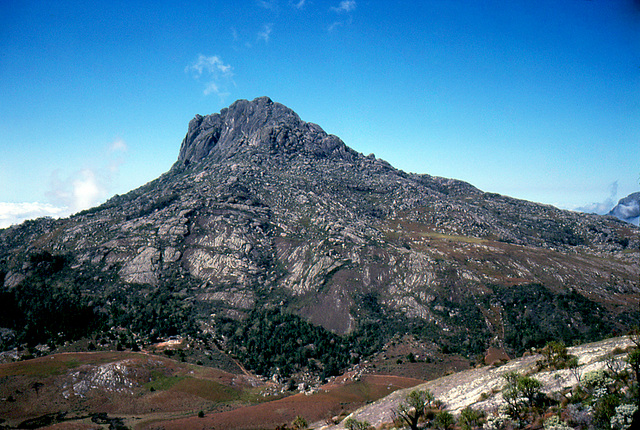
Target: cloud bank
x=82, y=189
x=603, y=207
x=15, y=213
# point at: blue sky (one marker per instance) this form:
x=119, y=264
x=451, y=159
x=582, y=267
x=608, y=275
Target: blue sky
x=536, y=100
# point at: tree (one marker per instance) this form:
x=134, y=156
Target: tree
x=555, y=355
x=530, y=389
x=634, y=361
x=36, y=386
x=520, y=393
x=574, y=366
x=413, y=408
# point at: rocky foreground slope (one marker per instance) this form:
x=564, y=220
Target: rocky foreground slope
x=481, y=388
x=262, y=209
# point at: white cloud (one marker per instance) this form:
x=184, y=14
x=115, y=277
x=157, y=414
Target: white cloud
x=116, y=151
x=87, y=187
x=81, y=190
x=15, y=213
x=335, y=25
x=118, y=145
x=345, y=6
x=603, y=207
x=266, y=32
x=214, y=71
x=267, y=4
x=211, y=88
x=209, y=65
x=300, y=4
x=86, y=190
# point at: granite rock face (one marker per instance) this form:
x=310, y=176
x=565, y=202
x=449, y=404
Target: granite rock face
x=260, y=124
x=262, y=207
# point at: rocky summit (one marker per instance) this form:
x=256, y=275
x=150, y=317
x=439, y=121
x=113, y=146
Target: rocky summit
x=263, y=210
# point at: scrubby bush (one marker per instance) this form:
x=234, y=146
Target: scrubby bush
x=444, y=420
x=470, y=418
x=353, y=424
x=521, y=393
x=555, y=423
x=299, y=423
x=501, y=421
x=623, y=416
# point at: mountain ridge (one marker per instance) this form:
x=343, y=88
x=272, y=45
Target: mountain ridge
x=262, y=209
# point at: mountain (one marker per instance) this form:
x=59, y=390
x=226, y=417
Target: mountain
x=263, y=210
x=628, y=208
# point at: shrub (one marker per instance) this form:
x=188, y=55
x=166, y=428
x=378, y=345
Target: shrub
x=498, y=422
x=623, y=417
x=444, y=420
x=470, y=418
x=299, y=423
x=554, y=423
x=353, y=424
x=520, y=393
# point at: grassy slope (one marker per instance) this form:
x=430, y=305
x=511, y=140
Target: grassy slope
x=117, y=383
x=148, y=391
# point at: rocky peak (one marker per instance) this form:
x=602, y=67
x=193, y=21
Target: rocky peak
x=257, y=126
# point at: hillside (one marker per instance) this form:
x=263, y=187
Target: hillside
x=267, y=230
x=140, y=390
x=482, y=388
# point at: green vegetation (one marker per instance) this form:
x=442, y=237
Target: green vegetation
x=603, y=399
x=56, y=302
x=444, y=420
x=353, y=424
x=521, y=394
x=48, y=305
x=152, y=312
x=471, y=418
x=299, y=423
x=555, y=356
x=271, y=342
x=533, y=315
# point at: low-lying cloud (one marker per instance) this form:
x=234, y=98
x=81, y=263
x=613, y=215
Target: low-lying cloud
x=605, y=206
x=15, y=213
x=82, y=189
